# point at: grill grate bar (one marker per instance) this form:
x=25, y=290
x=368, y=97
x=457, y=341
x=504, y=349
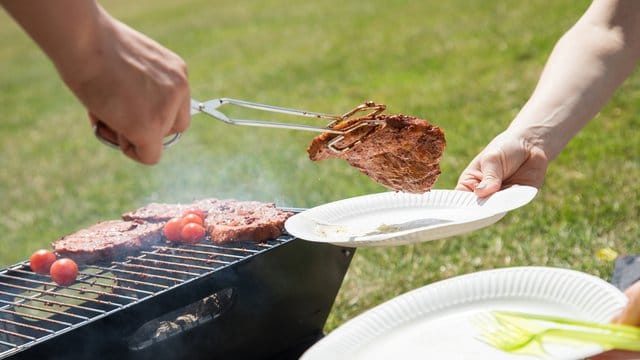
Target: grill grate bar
x=147, y=276
x=37, y=299
x=38, y=328
x=218, y=247
x=80, y=290
x=144, y=276
x=8, y=344
x=154, y=261
x=22, y=336
x=114, y=287
x=101, y=285
x=264, y=245
x=138, y=266
x=53, y=293
x=191, y=258
x=40, y=318
x=136, y=282
x=199, y=252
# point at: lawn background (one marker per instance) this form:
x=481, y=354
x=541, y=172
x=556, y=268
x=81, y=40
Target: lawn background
x=466, y=65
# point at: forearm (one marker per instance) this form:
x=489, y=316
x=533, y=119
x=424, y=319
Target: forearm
x=586, y=66
x=67, y=31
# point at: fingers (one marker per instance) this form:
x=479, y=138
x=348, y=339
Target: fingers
x=140, y=93
x=146, y=150
x=631, y=313
x=183, y=117
x=469, y=179
x=148, y=154
x=484, y=175
x=491, y=166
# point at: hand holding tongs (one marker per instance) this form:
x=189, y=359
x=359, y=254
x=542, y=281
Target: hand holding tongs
x=211, y=108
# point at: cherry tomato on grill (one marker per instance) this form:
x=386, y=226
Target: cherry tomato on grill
x=172, y=229
x=64, y=271
x=195, y=211
x=192, y=218
x=41, y=261
x=192, y=233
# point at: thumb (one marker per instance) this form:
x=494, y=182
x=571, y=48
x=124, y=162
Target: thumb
x=492, y=175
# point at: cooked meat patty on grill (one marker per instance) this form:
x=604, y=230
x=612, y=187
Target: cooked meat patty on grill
x=225, y=220
x=108, y=240
x=403, y=154
x=155, y=212
x=158, y=212
x=231, y=220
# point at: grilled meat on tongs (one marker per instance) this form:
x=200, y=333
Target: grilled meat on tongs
x=398, y=151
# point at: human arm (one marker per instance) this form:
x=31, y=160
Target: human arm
x=133, y=85
x=584, y=69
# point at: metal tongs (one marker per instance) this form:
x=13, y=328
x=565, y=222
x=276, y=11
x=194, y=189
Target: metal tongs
x=210, y=108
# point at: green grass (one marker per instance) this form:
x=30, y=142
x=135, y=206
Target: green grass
x=466, y=65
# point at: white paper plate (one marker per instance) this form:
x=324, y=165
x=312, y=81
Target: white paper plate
x=392, y=218
x=433, y=322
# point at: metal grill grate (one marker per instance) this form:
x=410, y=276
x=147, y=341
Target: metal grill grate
x=33, y=308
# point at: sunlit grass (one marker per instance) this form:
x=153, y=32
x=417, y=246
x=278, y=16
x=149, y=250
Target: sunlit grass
x=466, y=65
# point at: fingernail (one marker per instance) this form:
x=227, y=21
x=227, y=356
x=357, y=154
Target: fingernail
x=481, y=186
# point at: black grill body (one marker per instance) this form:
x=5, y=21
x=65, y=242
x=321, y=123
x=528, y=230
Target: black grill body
x=275, y=305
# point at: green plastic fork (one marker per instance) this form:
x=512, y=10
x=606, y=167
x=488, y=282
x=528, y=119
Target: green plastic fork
x=515, y=332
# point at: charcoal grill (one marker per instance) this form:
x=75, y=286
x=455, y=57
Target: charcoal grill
x=245, y=300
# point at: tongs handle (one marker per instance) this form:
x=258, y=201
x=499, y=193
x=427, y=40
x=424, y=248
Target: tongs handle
x=100, y=128
x=210, y=108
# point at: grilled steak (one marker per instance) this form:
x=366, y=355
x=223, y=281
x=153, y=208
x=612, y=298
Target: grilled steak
x=157, y=212
x=403, y=155
x=225, y=221
x=231, y=220
x=108, y=240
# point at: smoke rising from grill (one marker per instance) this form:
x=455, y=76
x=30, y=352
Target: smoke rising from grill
x=224, y=176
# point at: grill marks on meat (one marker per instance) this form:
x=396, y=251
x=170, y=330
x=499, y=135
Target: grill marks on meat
x=231, y=220
x=403, y=155
x=108, y=240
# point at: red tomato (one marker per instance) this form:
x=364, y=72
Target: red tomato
x=192, y=218
x=192, y=233
x=41, y=261
x=172, y=229
x=64, y=271
x=195, y=211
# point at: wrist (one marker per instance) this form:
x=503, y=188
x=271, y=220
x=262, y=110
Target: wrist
x=536, y=135
x=547, y=126
x=82, y=57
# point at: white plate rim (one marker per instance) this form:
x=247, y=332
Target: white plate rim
x=403, y=308
x=480, y=213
